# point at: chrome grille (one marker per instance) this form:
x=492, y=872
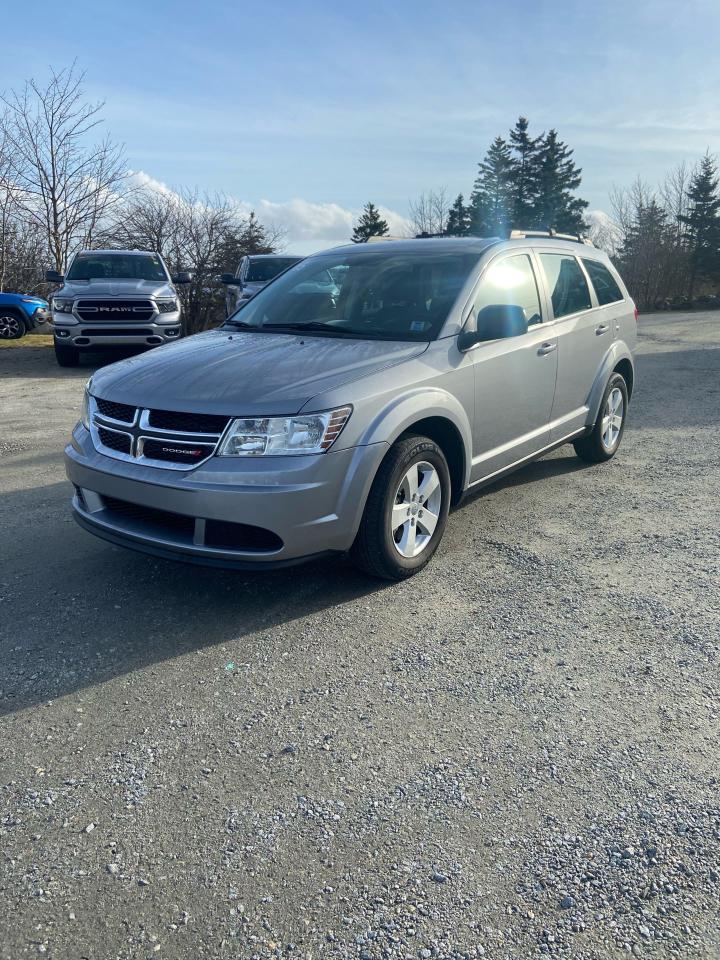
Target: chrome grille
x=137, y=311
x=160, y=438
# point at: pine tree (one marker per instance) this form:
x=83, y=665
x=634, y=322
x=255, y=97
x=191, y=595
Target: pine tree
x=491, y=200
x=370, y=224
x=702, y=223
x=558, y=178
x=643, y=252
x=458, y=221
x=525, y=174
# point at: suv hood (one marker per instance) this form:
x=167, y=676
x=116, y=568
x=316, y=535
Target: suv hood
x=116, y=288
x=240, y=373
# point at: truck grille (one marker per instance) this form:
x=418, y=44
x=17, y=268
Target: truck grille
x=136, y=311
x=177, y=440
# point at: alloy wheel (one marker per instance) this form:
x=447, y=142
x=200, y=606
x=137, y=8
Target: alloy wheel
x=10, y=327
x=416, y=509
x=612, y=418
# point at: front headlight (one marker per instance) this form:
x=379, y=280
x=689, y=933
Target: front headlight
x=85, y=412
x=167, y=306
x=283, y=436
x=62, y=306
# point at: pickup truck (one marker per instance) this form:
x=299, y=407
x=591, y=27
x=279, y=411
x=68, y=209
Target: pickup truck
x=21, y=312
x=114, y=298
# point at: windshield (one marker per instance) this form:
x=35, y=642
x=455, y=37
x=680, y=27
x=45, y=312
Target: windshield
x=372, y=295
x=118, y=266
x=260, y=271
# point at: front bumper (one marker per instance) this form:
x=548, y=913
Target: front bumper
x=89, y=336
x=308, y=505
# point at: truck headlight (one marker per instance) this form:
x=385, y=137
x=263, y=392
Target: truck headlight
x=62, y=306
x=85, y=412
x=283, y=436
x=167, y=306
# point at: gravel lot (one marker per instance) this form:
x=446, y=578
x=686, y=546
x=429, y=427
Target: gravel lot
x=513, y=755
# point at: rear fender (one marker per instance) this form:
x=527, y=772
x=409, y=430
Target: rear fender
x=617, y=351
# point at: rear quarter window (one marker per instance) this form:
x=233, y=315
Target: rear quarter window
x=605, y=284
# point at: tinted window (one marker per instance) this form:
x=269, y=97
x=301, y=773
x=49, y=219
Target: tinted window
x=117, y=266
x=606, y=288
x=260, y=271
x=511, y=282
x=567, y=284
x=373, y=294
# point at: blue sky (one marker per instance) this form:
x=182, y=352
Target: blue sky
x=307, y=110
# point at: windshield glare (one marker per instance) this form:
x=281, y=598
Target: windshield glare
x=260, y=271
x=118, y=266
x=373, y=295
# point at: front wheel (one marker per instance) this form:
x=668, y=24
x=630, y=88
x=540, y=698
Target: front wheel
x=11, y=326
x=66, y=355
x=406, y=511
x=603, y=442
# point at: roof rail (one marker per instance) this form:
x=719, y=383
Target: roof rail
x=551, y=234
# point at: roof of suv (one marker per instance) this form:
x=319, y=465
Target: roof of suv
x=467, y=244
x=125, y=253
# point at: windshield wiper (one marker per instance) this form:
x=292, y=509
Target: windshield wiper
x=240, y=323
x=312, y=325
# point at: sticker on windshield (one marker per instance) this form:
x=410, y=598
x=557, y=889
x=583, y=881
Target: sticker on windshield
x=417, y=326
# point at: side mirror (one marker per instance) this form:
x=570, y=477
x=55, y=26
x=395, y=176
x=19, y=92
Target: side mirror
x=182, y=276
x=230, y=280
x=52, y=276
x=497, y=321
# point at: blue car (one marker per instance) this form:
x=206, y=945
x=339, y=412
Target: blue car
x=20, y=312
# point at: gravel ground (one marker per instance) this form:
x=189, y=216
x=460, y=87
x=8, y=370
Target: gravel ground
x=514, y=755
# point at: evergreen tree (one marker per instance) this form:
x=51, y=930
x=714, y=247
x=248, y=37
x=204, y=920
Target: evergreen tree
x=491, y=199
x=643, y=253
x=557, y=178
x=370, y=224
x=458, y=221
x=525, y=174
x=702, y=223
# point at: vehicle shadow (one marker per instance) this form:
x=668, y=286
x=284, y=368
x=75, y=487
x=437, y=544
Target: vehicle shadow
x=75, y=611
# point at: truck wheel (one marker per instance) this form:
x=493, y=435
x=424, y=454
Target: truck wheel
x=603, y=442
x=66, y=355
x=406, y=511
x=11, y=326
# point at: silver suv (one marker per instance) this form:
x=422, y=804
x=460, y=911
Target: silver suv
x=326, y=418
x=114, y=298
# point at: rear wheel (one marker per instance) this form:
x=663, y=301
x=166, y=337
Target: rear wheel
x=406, y=511
x=66, y=355
x=603, y=442
x=12, y=327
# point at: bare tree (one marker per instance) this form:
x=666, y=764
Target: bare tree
x=67, y=187
x=429, y=213
x=205, y=234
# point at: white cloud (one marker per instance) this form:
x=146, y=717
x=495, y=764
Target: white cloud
x=307, y=226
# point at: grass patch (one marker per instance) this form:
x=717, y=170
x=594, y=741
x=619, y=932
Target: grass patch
x=31, y=340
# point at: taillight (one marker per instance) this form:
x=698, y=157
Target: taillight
x=637, y=314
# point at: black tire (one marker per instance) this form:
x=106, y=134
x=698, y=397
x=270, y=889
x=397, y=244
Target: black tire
x=593, y=447
x=12, y=325
x=66, y=355
x=375, y=550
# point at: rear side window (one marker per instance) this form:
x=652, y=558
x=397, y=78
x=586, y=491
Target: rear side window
x=606, y=288
x=511, y=282
x=566, y=282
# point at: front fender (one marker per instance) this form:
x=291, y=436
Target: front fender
x=617, y=351
x=415, y=405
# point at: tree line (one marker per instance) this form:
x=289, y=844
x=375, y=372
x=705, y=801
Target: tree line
x=665, y=241
x=59, y=193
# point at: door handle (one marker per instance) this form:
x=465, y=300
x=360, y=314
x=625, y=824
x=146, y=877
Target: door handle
x=546, y=348
x=601, y=329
